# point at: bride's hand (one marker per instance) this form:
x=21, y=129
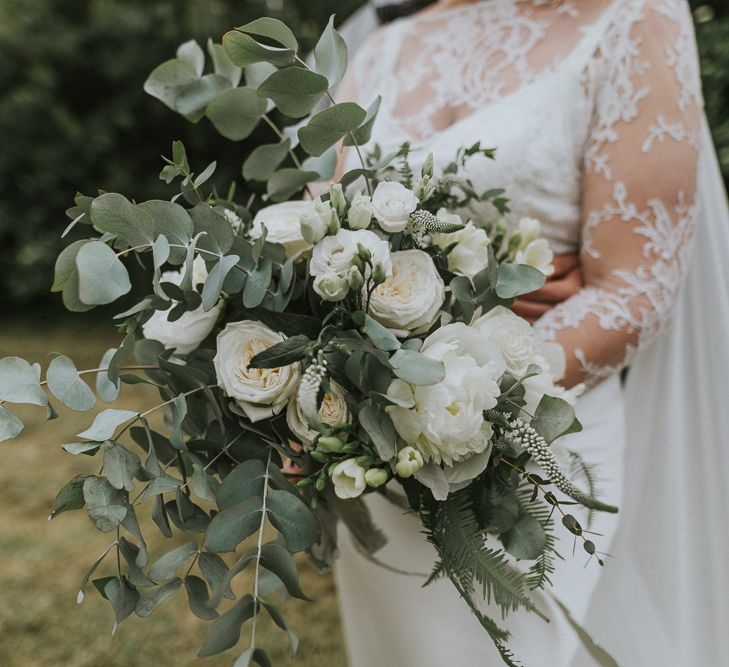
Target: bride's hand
x=562, y=284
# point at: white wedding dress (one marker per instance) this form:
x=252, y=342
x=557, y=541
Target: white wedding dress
x=595, y=109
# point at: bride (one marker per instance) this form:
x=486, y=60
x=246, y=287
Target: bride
x=595, y=108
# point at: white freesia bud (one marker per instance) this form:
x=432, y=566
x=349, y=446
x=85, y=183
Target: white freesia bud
x=529, y=230
x=360, y=212
x=470, y=255
x=331, y=286
x=333, y=412
x=392, y=204
x=260, y=392
x=513, y=335
x=186, y=333
x=376, y=477
x=348, y=478
x=283, y=222
x=537, y=254
x=316, y=221
x=336, y=196
x=409, y=300
x=409, y=461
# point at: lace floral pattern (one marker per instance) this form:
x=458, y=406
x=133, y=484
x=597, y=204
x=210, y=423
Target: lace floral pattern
x=636, y=151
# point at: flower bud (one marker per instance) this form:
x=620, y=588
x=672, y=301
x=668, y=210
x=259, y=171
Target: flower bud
x=375, y=477
x=355, y=279
x=379, y=274
x=334, y=224
x=329, y=443
x=427, y=169
x=360, y=212
x=409, y=461
x=336, y=196
x=331, y=287
x=364, y=253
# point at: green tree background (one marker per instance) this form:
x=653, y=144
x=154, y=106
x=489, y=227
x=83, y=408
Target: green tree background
x=73, y=114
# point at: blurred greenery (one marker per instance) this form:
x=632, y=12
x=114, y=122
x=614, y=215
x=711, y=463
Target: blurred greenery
x=73, y=114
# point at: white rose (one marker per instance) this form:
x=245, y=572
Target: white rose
x=513, y=335
x=186, y=333
x=283, y=222
x=360, y=212
x=529, y=230
x=537, y=254
x=339, y=253
x=319, y=220
x=332, y=412
x=471, y=254
x=446, y=423
x=348, y=478
x=392, y=204
x=409, y=300
x=260, y=392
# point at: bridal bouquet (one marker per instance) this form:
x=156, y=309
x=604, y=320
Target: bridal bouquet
x=363, y=335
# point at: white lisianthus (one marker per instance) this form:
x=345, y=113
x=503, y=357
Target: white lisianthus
x=446, y=423
x=513, y=335
x=471, y=254
x=283, y=222
x=392, y=204
x=409, y=461
x=529, y=230
x=360, y=212
x=186, y=333
x=260, y=392
x=337, y=255
x=348, y=478
x=318, y=220
x=537, y=254
x=409, y=300
x=333, y=411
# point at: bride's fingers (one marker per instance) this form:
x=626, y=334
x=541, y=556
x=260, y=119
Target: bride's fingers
x=558, y=290
x=564, y=264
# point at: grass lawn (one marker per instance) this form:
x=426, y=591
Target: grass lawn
x=42, y=562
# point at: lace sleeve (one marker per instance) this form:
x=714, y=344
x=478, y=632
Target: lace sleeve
x=639, y=184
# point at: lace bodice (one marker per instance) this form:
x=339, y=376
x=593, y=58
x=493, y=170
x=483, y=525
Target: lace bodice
x=594, y=107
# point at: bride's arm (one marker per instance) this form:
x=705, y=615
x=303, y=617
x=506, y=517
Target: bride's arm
x=638, y=192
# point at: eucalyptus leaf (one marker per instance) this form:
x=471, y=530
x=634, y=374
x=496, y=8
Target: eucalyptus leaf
x=293, y=519
x=120, y=466
x=10, y=426
x=286, y=182
x=362, y=134
x=517, y=279
x=378, y=425
x=65, y=267
x=415, y=368
x=381, y=337
x=327, y=127
x=272, y=29
x=243, y=482
x=554, y=417
x=106, y=423
x=65, y=383
x=525, y=539
x=244, y=51
x=214, y=282
x=149, y=601
x=70, y=497
x=330, y=54
x=279, y=620
x=193, y=99
x=115, y=214
x=105, y=504
x=257, y=283
x=324, y=165
x=197, y=596
x=168, y=79
x=264, y=160
x=278, y=560
x=203, y=485
x=236, y=112
x=106, y=388
x=222, y=64
x=164, y=568
x=192, y=53
x=225, y=630
x=285, y=353
x=102, y=278
x=233, y=524
x=295, y=90
x=123, y=598
x=218, y=234
x=19, y=382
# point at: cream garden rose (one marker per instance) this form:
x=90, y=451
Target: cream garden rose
x=446, y=423
x=332, y=412
x=513, y=336
x=392, y=204
x=186, y=333
x=471, y=255
x=283, y=222
x=260, y=392
x=410, y=299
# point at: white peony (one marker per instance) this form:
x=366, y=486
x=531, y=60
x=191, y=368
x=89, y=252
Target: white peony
x=392, y=204
x=348, y=478
x=537, y=254
x=319, y=220
x=360, y=212
x=513, y=335
x=471, y=255
x=283, y=222
x=260, y=392
x=446, y=423
x=409, y=300
x=332, y=412
x=337, y=255
x=186, y=333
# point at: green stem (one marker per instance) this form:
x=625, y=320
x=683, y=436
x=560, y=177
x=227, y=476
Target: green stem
x=290, y=151
x=258, y=553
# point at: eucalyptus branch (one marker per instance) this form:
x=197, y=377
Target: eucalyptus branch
x=290, y=151
x=259, y=548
